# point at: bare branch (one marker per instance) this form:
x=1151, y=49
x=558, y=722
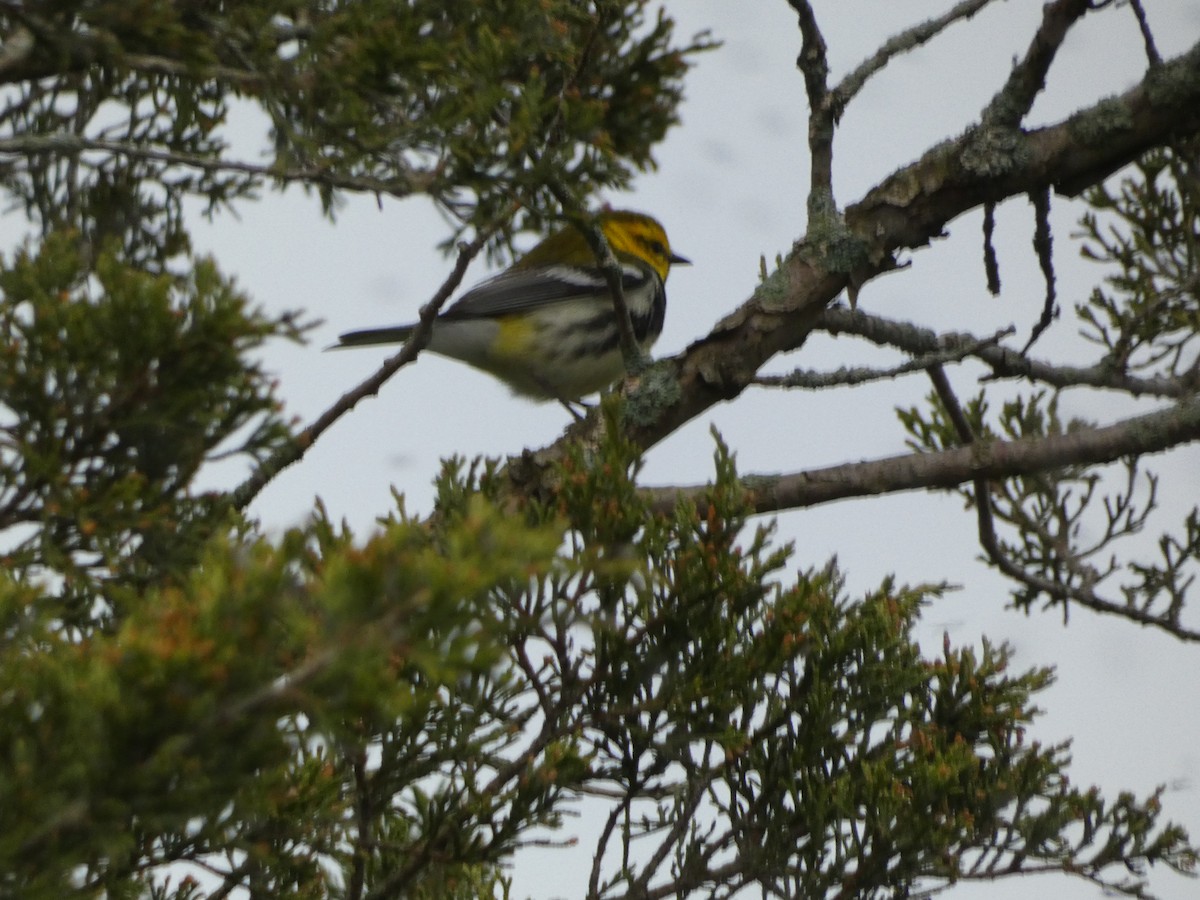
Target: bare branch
x=954, y=411
x=631, y=351
x=162, y=65
x=1152, y=54
x=822, y=117
x=1004, y=363
x=907, y=40
x=413, y=181
x=1010, y=106
x=980, y=462
x=991, y=263
x=907, y=210
x=363, y=817
x=849, y=376
x=1150, y=433
x=1043, y=245
x=416, y=342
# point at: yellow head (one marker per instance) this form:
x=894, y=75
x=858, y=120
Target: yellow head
x=632, y=236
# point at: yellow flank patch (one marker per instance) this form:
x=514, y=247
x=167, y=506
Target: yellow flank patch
x=513, y=339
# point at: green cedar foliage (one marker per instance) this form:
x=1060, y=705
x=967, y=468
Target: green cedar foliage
x=1146, y=317
x=190, y=708
x=323, y=716
x=116, y=386
x=478, y=106
x=1073, y=530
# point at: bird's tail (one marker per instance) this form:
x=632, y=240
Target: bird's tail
x=397, y=334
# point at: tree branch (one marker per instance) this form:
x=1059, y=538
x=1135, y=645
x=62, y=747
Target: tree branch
x=950, y=351
x=1043, y=246
x=413, y=181
x=42, y=48
x=250, y=488
x=813, y=63
x=1153, y=57
x=991, y=262
x=1004, y=363
x=631, y=351
x=1150, y=433
x=979, y=463
x=907, y=210
x=903, y=42
x=1061, y=591
x=1027, y=79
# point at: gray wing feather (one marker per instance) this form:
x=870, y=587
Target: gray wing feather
x=516, y=291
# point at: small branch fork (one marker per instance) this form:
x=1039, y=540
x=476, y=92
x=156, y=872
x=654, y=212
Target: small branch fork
x=903, y=42
x=826, y=104
x=1043, y=244
x=986, y=524
x=953, y=351
x=822, y=117
x=1003, y=362
x=1012, y=102
x=1152, y=55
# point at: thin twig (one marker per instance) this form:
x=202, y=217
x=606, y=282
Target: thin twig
x=1152, y=54
x=404, y=185
x=631, y=350
x=907, y=40
x=363, y=842
x=1027, y=79
x=250, y=488
x=610, y=824
x=949, y=400
x=684, y=820
x=814, y=65
x=991, y=264
x=848, y=377
x=1003, y=362
x=232, y=881
x=161, y=65
x=1153, y=432
x=1043, y=245
x=983, y=505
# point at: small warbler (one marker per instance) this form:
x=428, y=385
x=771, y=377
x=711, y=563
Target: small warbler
x=546, y=325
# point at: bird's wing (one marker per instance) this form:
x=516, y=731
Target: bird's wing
x=520, y=290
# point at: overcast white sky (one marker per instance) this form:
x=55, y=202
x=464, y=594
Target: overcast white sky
x=730, y=188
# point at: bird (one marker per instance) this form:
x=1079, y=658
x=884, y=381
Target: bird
x=546, y=326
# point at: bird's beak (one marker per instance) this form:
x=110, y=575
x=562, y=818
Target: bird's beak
x=677, y=260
